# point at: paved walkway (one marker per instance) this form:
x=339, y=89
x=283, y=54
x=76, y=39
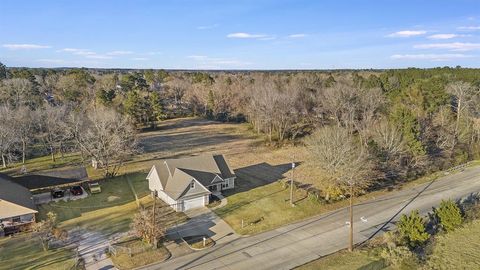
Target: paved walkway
x=202, y=222
x=299, y=243
x=223, y=201
x=91, y=247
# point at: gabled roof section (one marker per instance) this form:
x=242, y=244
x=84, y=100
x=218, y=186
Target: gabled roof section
x=14, y=198
x=179, y=184
x=205, y=178
x=203, y=163
x=223, y=166
x=176, y=174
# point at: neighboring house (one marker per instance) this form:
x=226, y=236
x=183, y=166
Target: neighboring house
x=61, y=178
x=187, y=183
x=17, y=210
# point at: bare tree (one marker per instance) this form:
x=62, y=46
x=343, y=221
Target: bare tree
x=52, y=128
x=334, y=150
x=463, y=95
x=105, y=136
x=17, y=92
x=390, y=140
x=24, y=123
x=8, y=136
x=145, y=227
x=44, y=230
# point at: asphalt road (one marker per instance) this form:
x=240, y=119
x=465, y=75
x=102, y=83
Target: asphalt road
x=299, y=243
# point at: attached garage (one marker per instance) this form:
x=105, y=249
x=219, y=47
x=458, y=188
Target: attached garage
x=193, y=203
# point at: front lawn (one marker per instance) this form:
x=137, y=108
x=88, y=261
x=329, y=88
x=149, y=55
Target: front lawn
x=345, y=260
x=457, y=249
x=25, y=252
x=115, y=192
x=196, y=241
x=122, y=260
x=110, y=211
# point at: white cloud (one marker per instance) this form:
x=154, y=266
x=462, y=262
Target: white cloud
x=431, y=57
x=216, y=62
x=25, y=46
x=87, y=53
x=453, y=46
x=98, y=56
x=53, y=61
x=469, y=28
x=245, y=35
x=407, y=33
x=78, y=51
x=297, y=35
x=207, y=27
x=139, y=58
x=119, y=53
x=197, y=57
x=443, y=36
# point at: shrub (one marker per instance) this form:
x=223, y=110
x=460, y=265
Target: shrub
x=449, y=215
x=400, y=257
x=412, y=229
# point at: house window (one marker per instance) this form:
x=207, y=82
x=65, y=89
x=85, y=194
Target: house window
x=192, y=185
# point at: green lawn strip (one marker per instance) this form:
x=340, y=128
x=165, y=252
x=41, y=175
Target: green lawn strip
x=268, y=207
x=44, y=163
x=196, y=241
x=345, y=260
x=115, y=192
x=145, y=256
x=25, y=252
x=458, y=249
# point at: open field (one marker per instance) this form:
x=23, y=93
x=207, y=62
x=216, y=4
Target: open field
x=25, y=252
x=457, y=249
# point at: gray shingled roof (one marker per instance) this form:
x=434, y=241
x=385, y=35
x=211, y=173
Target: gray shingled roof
x=14, y=198
x=55, y=178
x=176, y=174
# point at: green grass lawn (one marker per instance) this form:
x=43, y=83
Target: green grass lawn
x=458, y=249
x=267, y=207
x=109, y=211
x=124, y=261
x=345, y=260
x=25, y=252
x=44, y=163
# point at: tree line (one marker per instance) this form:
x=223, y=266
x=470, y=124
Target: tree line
x=406, y=122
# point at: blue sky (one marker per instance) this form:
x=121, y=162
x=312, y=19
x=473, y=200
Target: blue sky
x=204, y=34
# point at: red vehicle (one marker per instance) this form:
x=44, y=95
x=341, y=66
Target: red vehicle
x=76, y=190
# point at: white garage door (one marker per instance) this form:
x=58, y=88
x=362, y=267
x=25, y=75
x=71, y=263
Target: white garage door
x=193, y=203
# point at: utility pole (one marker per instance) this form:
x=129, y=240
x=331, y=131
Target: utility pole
x=350, y=248
x=153, y=219
x=291, y=182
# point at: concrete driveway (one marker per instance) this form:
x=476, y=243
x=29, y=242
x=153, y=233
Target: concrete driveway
x=46, y=197
x=202, y=222
x=299, y=243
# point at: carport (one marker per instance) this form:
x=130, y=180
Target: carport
x=42, y=183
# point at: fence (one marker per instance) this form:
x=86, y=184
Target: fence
x=117, y=248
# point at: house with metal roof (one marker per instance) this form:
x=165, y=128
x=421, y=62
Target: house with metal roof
x=187, y=183
x=17, y=210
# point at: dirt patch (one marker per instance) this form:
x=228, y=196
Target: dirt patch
x=112, y=198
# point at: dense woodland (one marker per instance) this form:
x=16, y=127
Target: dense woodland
x=398, y=123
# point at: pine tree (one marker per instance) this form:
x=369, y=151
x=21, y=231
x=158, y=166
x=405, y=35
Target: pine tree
x=412, y=229
x=210, y=105
x=449, y=215
x=156, y=106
